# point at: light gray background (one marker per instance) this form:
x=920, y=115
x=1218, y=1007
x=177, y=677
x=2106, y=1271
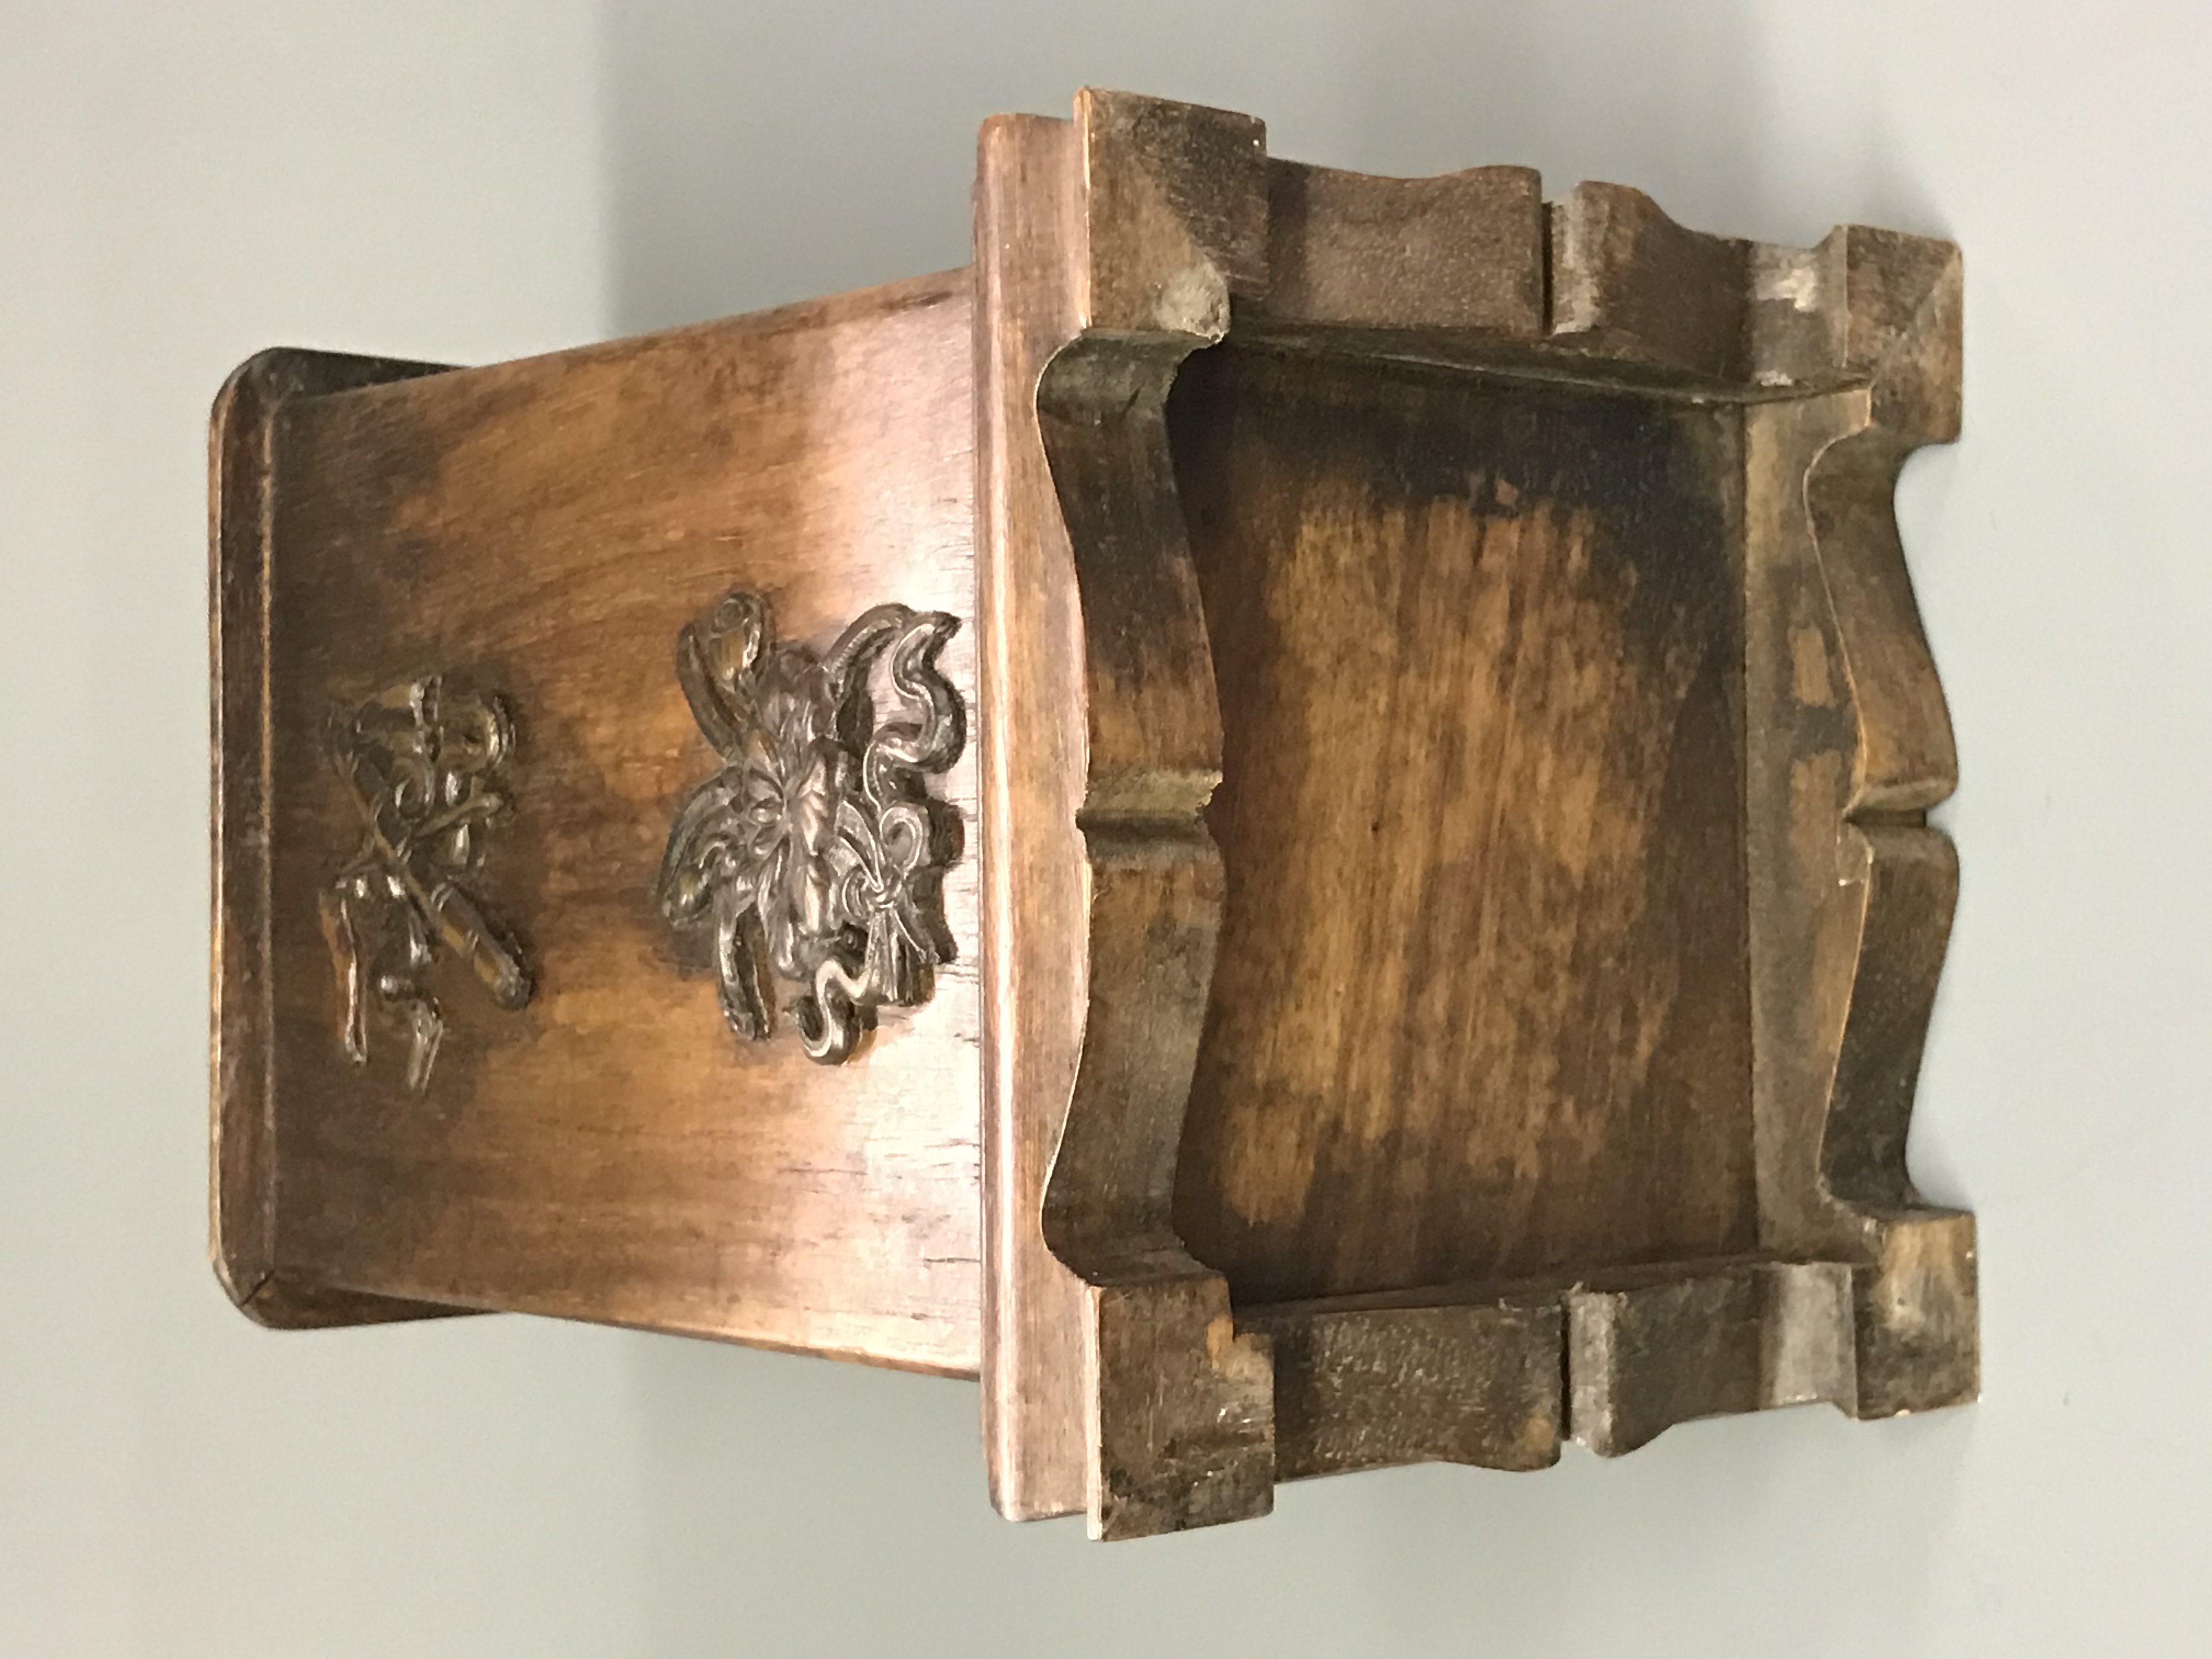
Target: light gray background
x=182, y=183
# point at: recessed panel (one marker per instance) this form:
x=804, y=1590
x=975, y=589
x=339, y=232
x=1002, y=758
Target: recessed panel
x=1481, y=1005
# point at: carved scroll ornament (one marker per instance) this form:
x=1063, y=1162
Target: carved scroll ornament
x=424, y=764
x=816, y=853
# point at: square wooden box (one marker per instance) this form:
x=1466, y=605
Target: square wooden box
x=1419, y=921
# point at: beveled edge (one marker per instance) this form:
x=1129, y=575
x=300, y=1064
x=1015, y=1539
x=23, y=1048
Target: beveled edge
x=243, y=1233
x=1115, y=1378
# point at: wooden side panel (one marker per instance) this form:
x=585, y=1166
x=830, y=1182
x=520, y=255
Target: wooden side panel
x=1107, y=251
x=1851, y=890
x=543, y=530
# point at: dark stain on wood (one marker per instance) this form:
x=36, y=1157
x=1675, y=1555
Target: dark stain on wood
x=1480, y=1006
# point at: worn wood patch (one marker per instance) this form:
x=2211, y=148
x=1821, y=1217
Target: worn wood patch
x=1482, y=1006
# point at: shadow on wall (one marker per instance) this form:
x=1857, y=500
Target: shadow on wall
x=760, y=155
x=763, y=154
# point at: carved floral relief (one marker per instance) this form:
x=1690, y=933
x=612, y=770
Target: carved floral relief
x=816, y=854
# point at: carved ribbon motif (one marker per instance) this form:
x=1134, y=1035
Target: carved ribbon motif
x=422, y=764
x=816, y=853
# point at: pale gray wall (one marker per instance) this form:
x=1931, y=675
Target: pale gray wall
x=181, y=184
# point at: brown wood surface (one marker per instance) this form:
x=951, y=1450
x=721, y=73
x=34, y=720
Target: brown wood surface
x=543, y=528
x=1849, y=744
x=1107, y=252
x=1444, y=921
x=242, y=1141
x=1481, y=1008
x=1361, y=1383
x=1572, y=963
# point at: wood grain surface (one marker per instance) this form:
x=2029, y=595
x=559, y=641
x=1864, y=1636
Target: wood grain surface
x=1482, y=1008
x=1444, y=918
x=1107, y=252
x=543, y=528
x=242, y=1092
x=1579, y=924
